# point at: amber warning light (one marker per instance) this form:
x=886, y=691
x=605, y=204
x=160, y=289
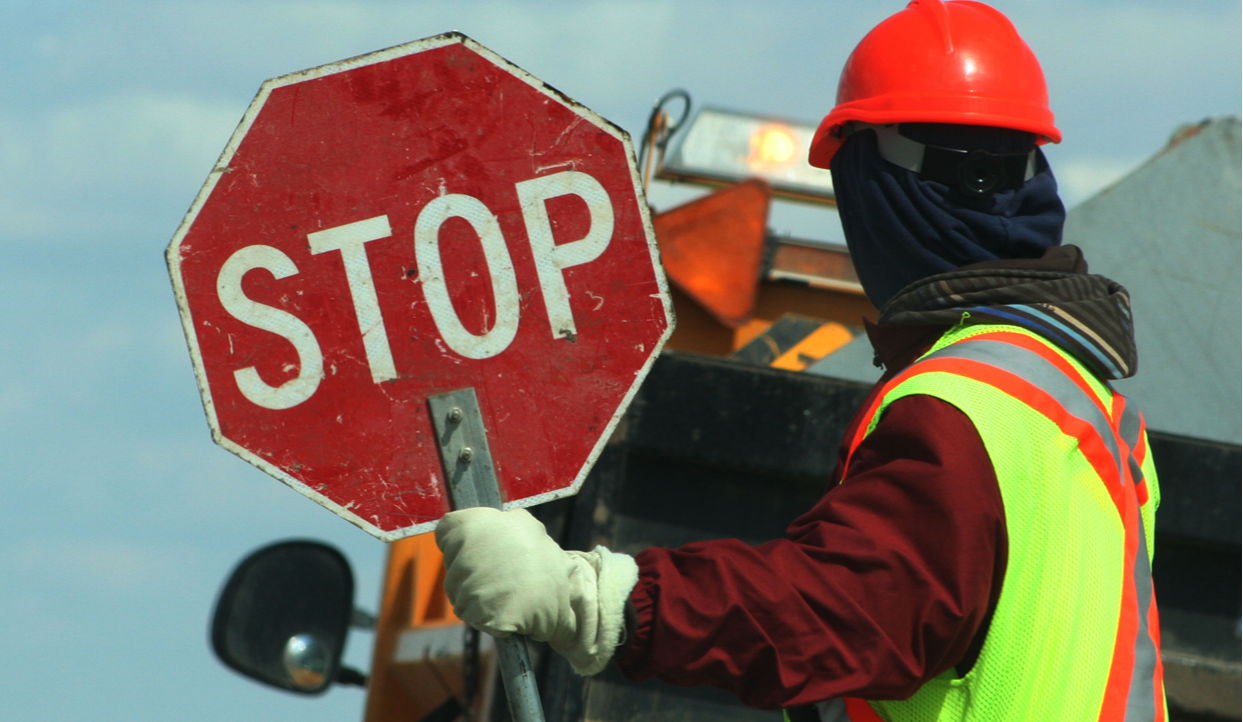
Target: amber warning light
x=772, y=146
x=721, y=147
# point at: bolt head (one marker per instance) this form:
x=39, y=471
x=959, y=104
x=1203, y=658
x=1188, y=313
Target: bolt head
x=466, y=455
x=455, y=414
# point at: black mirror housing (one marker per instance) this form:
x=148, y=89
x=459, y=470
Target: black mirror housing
x=283, y=616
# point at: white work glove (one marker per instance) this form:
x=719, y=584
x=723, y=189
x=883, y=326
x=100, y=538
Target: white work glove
x=505, y=575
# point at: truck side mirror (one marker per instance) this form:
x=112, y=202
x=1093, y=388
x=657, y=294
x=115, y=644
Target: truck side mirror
x=283, y=616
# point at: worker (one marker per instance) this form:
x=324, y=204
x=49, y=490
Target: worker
x=983, y=551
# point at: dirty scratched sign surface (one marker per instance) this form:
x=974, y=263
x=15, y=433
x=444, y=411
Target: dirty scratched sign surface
x=415, y=221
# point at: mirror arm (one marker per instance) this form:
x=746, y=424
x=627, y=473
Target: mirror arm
x=362, y=619
x=350, y=677
x=448, y=711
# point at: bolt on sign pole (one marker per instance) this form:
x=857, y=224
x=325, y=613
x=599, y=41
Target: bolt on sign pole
x=467, y=462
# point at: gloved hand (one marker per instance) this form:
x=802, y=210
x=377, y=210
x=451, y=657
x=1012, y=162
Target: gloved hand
x=505, y=575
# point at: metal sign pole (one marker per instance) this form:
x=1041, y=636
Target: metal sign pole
x=467, y=462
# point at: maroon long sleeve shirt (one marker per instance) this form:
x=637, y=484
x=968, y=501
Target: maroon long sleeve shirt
x=886, y=583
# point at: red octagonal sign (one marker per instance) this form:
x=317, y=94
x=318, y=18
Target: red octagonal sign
x=415, y=221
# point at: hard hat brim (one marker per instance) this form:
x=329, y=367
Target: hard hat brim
x=932, y=108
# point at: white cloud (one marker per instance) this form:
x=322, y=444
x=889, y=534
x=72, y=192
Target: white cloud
x=1123, y=75
x=75, y=366
x=175, y=77
x=1138, y=43
x=94, y=565
x=194, y=473
x=1081, y=178
x=74, y=168
x=16, y=401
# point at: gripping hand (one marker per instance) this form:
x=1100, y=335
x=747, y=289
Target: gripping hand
x=505, y=576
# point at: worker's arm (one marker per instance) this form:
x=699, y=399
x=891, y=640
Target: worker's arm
x=879, y=588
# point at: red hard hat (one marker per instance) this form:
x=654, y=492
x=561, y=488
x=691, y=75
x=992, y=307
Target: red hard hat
x=940, y=62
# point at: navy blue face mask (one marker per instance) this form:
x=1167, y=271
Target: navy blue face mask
x=901, y=228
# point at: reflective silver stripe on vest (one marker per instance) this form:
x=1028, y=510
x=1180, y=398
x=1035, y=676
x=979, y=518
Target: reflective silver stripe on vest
x=1141, y=699
x=1035, y=369
x=1129, y=430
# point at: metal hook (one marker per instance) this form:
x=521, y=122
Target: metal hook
x=659, y=131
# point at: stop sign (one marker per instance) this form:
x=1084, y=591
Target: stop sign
x=415, y=221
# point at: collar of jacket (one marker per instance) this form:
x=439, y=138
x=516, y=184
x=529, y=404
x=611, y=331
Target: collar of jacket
x=1088, y=316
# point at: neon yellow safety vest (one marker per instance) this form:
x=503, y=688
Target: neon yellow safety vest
x=1075, y=632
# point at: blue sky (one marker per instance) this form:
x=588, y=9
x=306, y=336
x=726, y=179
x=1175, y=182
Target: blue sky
x=120, y=518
